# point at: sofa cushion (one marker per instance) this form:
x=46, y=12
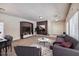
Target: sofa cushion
x=77, y=47
x=58, y=41
x=74, y=41
x=67, y=38
x=71, y=39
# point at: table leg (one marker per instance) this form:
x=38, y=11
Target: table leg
x=0, y=51
x=44, y=43
x=11, y=48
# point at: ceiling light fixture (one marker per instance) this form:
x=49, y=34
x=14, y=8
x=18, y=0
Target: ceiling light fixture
x=56, y=19
x=41, y=17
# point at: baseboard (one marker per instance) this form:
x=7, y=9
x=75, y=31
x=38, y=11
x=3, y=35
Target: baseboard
x=18, y=38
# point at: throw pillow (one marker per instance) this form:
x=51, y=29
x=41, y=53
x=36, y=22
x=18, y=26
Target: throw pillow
x=66, y=44
x=59, y=40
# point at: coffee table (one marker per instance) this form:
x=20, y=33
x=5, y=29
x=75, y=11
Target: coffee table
x=44, y=40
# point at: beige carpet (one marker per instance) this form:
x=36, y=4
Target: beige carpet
x=25, y=42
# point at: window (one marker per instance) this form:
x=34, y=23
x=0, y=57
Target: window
x=1, y=29
x=73, y=26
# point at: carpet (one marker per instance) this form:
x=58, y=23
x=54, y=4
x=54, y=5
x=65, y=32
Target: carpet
x=45, y=50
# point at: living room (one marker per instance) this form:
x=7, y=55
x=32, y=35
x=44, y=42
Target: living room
x=37, y=26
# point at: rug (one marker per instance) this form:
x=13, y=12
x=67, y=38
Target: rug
x=45, y=50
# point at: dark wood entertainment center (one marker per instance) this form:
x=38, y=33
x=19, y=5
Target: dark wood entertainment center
x=42, y=25
x=25, y=28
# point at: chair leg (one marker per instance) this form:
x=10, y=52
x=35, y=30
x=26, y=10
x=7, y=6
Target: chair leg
x=0, y=51
x=6, y=51
x=8, y=47
x=11, y=48
x=3, y=49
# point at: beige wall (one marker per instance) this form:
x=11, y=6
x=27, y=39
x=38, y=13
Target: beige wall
x=56, y=27
x=12, y=25
x=73, y=9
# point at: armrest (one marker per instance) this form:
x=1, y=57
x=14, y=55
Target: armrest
x=61, y=51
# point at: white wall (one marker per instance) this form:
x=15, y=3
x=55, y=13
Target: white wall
x=56, y=27
x=12, y=25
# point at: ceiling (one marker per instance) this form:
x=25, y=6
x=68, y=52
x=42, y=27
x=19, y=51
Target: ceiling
x=32, y=11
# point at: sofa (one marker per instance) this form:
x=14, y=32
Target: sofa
x=27, y=51
x=59, y=50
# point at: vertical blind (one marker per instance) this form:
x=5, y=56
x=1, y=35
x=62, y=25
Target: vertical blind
x=72, y=26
